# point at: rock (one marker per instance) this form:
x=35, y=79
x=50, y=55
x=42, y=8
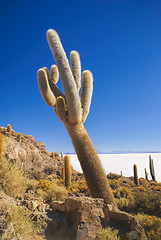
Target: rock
x=59, y=205
x=81, y=217
x=31, y=205
x=113, y=213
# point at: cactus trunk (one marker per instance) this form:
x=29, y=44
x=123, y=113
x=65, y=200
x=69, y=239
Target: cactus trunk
x=93, y=171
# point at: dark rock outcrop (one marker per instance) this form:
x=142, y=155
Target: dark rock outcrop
x=80, y=218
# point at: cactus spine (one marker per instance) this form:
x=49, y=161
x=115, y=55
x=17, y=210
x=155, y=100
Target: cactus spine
x=2, y=146
x=151, y=165
x=73, y=112
x=9, y=129
x=146, y=174
x=136, y=180
x=67, y=171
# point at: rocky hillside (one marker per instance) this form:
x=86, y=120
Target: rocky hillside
x=31, y=155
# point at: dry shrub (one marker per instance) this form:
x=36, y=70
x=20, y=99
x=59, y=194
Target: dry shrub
x=141, y=189
x=125, y=204
x=151, y=224
x=158, y=188
x=12, y=178
x=114, y=183
x=79, y=186
x=50, y=191
x=22, y=223
x=122, y=192
x=32, y=184
x=107, y=234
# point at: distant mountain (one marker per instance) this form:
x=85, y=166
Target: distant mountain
x=119, y=152
x=126, y=152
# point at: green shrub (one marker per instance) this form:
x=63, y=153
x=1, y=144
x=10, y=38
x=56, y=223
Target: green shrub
x=148, y=202
x=152, y=226
x=107, y=234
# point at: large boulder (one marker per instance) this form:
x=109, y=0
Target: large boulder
x=79, y=218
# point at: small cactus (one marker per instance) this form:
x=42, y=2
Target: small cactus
x=61, y=154
x=151, y=165
x=63, y=173
x=2, y=146
x=146, y=174
x=19, y=138
x=67, y=171
x=53, y=155
x=136, y=180
x=9, y=129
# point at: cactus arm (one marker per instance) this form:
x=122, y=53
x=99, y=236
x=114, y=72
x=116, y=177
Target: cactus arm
x=60, y=109
x=45, y=89
x=54, y=74
x=69, y=85
x=76, y=68
x=86, y=93
x=93, y=171
x=53, y=79
x=55, y=90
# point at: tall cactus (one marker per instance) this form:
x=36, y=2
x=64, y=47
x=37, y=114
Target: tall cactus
x=136, y=180
x=67, y=171
x=151, y=165
x=73, y=111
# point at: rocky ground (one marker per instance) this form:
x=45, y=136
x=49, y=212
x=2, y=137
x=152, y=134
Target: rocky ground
x=55, y=212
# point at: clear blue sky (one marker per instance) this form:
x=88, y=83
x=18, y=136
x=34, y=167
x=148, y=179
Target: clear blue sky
x=119, y=41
